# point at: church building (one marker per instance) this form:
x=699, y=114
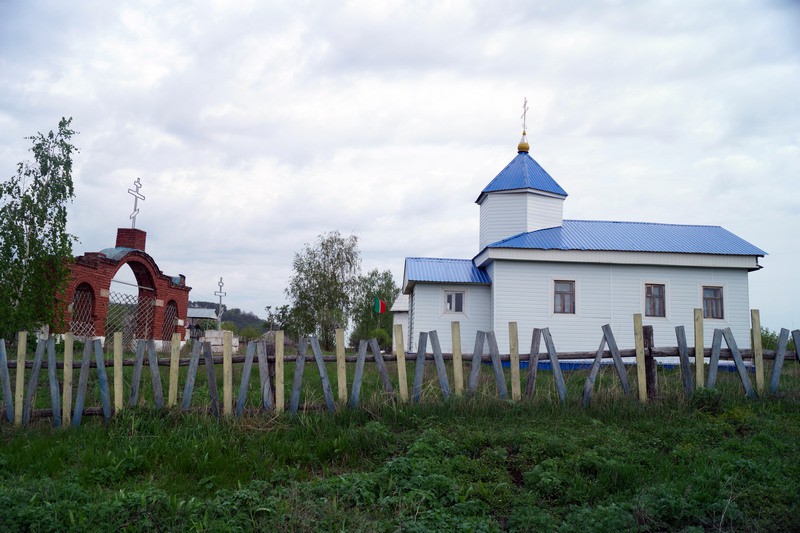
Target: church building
x=573, y=276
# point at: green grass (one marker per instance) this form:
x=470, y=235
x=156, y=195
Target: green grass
x=713, y=462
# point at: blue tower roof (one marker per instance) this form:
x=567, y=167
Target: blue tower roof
x=523, y=172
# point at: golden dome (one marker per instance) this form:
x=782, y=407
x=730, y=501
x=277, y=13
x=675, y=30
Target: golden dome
x=523, y=145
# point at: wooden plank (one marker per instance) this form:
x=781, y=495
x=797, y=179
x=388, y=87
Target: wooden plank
x=191, y=374
x=783, y=341
x=683, y=354
x=557, y=375
x=513, y=348
x=381, y=364
x=246, y=370
x=618, y=364
x=533, y=363
x=5, y=378
x=341, y=367
x=475, y=366
x=758, y=351
x=297, y=385
x=441, y=370
x=33, y=381
x=588, y=387
x=211, y=376
x=136, y=378
x=155, y=375
x=83, y=379
x=359, y=375
x=650, y=366
x=263, y=374
x=19, y=384
x=497, y=366
x=66, y=399
x=699, y=349
x=279, y=372
x=327, y=391
x=174, y=369
x=52, y=374
x=737, y=359
x=458, y=363
x=419, y=366
x=102, y=379
x=713, y=364
x=402, y=378
x=638, y=341
x=118, y=372
x=227, y=373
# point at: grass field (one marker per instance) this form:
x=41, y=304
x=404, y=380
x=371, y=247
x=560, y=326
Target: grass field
x=713, y=462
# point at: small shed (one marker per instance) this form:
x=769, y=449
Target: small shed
x=399, y=312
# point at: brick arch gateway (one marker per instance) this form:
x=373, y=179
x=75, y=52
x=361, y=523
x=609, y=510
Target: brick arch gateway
x=94, y=309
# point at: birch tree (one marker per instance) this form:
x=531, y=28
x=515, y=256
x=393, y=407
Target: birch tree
x=35, y=248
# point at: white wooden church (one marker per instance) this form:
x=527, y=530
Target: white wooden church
x=573, y=276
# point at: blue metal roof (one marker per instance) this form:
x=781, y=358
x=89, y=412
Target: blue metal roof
x=523, y=172
x=632, y=237
x=444, y=271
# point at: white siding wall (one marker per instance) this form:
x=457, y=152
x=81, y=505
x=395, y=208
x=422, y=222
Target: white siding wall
x=399, y=317
x=428, y=314
x=502, y=215
x=611, y=294
x=507, y=214
x=544, y=212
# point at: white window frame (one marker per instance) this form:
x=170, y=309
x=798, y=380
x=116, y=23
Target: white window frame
x=454, y=290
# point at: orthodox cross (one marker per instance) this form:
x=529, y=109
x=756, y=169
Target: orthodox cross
x=136, y=197
x=220, y=294
x=525, y=115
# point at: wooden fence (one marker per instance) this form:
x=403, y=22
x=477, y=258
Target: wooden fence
x=19, y=408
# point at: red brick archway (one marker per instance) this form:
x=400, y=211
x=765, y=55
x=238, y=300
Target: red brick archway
x=90, y=281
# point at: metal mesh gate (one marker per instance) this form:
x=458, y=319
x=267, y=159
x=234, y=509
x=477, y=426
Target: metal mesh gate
x=81, y=322
x=132, y=315
x=170, y=315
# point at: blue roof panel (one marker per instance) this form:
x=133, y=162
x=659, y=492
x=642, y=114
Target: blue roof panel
x=632, y=237
x=523, y=172
x=433, y=269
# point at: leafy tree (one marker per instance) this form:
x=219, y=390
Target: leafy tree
x=374, y=284
x=35, y=248
x=769, y=340
x=281, y=319
x=323, y=285
x=227, y=325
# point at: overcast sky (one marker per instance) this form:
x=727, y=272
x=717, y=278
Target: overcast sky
x=256, y=126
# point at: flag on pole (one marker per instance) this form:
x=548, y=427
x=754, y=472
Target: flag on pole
x=380, y=306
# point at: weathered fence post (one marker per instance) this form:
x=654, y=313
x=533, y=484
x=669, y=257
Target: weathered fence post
x=438, y=360
x=341, y=367
x=475, y=367
x=52, y=374
x=33, y=382
x=174, y=369
x=279, y=372
x=533, y=363
x=499, y=375
x=247, y=369
x=638, y=340
x=211, y=376
x=558, y=377
x=699, y=351
x=118, y=372
x=402, y=378
x=83, y=379
x=758, y=352
x=136, y=379
x=227, y=373
x=713, y=363
x=297, y=382
x=102, y=379
x=6, y=382
x=683, y=354
x=19, y=393
x=737, y=358
x=381, y=364
x=588, y=387
x=419, y=366
x=358, y=376
x=66, y=394
x=783, y=341
x=650, y=367
x=458, y=363
x=513, y=349
x=263, y=375
x=155, y=375
x=191, y=374
x=618, y=364
x=323, y=374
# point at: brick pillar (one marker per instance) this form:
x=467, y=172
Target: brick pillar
x=131, y=238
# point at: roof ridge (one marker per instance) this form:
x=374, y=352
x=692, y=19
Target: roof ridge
x=638, y=222
x=439, y=258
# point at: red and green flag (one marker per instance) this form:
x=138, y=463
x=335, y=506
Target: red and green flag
x=380, y=306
